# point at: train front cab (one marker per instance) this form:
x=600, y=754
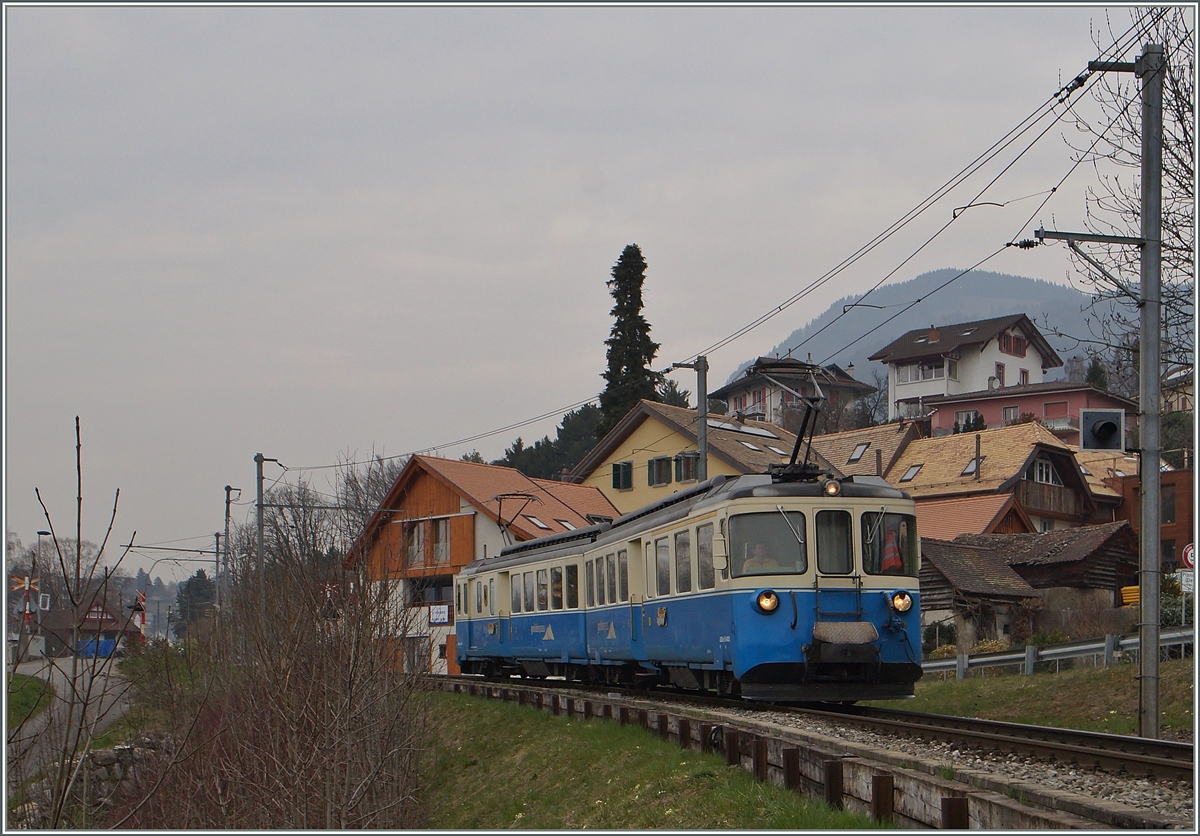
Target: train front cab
x=836, y=619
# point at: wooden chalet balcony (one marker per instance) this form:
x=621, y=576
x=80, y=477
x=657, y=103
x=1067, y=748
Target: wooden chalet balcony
x=1056, y=499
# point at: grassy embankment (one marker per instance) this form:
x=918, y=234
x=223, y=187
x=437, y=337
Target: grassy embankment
x=28, y=696
x=1092, y=699
x=498, y=766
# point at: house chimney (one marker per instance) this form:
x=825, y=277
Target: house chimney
x=978, y=463
x=934, y=336
x=879, y=462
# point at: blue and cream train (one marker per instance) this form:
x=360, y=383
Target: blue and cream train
x=774, y=589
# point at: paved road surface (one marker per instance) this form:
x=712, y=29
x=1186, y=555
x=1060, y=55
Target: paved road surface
x=41, y=741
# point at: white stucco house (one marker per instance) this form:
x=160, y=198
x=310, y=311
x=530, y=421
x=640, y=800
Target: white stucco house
x=964, y=357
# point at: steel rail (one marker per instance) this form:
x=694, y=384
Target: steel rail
x=1109, y=752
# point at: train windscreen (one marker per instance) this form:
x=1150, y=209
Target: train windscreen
x=767, y=543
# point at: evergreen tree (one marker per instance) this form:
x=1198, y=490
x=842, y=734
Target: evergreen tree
x=194, y=602
x=629, y=377
x=670, y=394
x=1096, y=374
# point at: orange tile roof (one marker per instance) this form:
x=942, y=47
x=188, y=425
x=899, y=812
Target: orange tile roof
x=482, y=483
x=945, y=519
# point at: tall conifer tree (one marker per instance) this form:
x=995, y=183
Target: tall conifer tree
x=630, y=350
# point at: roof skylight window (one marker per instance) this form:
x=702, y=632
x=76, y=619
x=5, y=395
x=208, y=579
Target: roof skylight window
x=777, y=450
x=751, y=446
x=969, y=470
x=565, y=525
x=912, y=472
x=536, y=521
x=858, y=452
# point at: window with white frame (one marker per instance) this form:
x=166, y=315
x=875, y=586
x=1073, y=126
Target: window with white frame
x=686, y=465
x=1043, y=472
x=1011, y=414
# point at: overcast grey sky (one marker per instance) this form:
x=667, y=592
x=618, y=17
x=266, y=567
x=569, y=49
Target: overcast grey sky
x=318, y=232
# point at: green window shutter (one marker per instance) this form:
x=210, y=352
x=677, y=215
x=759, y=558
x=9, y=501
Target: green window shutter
x=616, y=474
x=650, y=472
x=679, y=468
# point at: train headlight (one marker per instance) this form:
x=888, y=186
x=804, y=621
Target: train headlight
x=833, y=487
x=767, y=601
x=901, y=601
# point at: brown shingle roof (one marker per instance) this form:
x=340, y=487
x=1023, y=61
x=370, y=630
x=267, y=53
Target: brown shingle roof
x=891, y=439
x=945, y=519
x=1005, y=452
x=1106, y=464
x=727, y=439
x=1062, y=545
x=975, y=570
x=917, y=344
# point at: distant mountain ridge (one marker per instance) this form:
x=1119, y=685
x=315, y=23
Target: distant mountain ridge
x=977, y=295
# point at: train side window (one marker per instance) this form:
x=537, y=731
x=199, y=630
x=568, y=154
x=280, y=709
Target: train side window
x=833, y=542
x=623, y=573
x=515, y=582
x=542, y=598
x=458, y=598
x=706, y=576
x=600, y=599
x=478, y=596
x=573, y=587
x=492, y=587
x=589, y=580
x=611, y=562
x=529, y=592
x=683, y=561
x=485, y=595
x=662, y=562
x=556, y=588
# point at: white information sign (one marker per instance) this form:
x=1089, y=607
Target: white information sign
x=1187, y=580
x=439, y=614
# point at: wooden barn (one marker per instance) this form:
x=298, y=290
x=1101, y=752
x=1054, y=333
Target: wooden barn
x=972, y=586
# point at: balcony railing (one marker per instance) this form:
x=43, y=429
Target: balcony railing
x=1041, y=497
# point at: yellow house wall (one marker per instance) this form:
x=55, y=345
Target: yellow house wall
x=649, y=441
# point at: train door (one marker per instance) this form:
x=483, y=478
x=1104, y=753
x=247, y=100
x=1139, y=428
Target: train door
x=629, y=559
x=513, y=599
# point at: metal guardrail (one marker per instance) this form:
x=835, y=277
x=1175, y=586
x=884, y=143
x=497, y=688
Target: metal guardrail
x=1031, y=655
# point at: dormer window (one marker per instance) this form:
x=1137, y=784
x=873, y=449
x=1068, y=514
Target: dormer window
x=1042, y=471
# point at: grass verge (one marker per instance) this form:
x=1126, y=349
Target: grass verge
x=28, y=697
x=497, y=765
x=1091, y=699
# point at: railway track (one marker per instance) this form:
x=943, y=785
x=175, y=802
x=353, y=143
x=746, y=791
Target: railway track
x=1110, y=752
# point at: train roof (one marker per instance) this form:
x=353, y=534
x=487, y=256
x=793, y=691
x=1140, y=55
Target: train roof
x=677, y=506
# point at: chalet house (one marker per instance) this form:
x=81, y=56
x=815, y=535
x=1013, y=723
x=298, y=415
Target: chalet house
x=1077, y=569
x=101, y=629
x=964, y=357
x=1119, y=473
x=762, y=392
x=439, y=516
x=972, y=586
x=1056, y=404
x=1024, y=461
x=871, y=451
x=653, y=451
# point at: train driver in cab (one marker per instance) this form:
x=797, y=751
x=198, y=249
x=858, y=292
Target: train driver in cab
x=760, y=561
